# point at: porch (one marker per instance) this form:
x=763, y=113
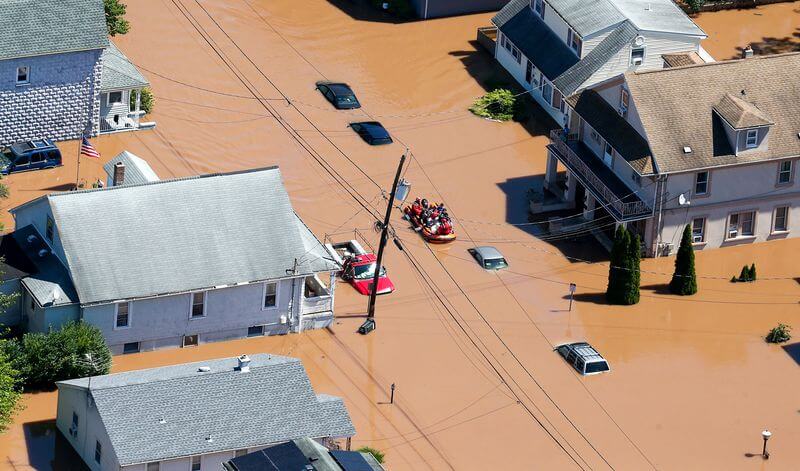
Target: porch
x=121, y=88
x=604, y=187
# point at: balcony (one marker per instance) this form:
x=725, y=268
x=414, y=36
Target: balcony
x=598, y=179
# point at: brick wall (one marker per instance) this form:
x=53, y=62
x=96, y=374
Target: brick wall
x=60, y=102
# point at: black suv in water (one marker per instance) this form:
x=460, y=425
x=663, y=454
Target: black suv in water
x=29, y=155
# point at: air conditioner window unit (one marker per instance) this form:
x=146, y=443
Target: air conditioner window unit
x=284, y=319
x=637, y=61
x=697, y=239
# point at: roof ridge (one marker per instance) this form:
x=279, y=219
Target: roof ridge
x=158, y=182
x=709, y=64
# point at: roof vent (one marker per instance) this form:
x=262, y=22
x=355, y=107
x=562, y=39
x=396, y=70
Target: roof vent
x=204, y=369
x=210, y=439
x=244, y=364
x=747, y=52
x=31, y=239
x=687, y=150
x=162, y=420
x=43, y=253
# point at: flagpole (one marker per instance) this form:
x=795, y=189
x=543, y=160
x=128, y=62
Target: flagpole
x=78, y=172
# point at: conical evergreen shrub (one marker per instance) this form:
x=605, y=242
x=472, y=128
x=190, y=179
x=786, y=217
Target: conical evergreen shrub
x=634, y=276
x=684, y=279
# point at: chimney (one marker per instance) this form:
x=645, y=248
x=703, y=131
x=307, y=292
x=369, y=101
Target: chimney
x=119, y=174
x=244, y=364
x=747, y=52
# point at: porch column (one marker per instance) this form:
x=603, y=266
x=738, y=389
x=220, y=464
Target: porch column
x=332, y=288
x=588, y=211
x=551, y=172
x=572, y=186
x=138, y=105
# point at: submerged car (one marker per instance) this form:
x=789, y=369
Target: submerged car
x=583, y=357
x=340, y=95
x=372, y=132
x=358, y=267
x=489, y=258
x=29, y=155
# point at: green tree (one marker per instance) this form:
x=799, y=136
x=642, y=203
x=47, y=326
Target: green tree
x=634, y=276
x=147, y=101
x=9, y=391
x=779, y=334
x=753, y=272
x=377, y=454
x=115, y=17
x=498, y=104
x=74, y=351
x=615, y=286
x=695, y=5
x=684, y=279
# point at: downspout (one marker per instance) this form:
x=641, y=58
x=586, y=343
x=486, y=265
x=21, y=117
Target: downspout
x=663, y=180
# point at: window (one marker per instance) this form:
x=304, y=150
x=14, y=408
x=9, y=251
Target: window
x=574, y=42
x=195, y=463
x=781, y=220
x=98, y=451
x=538, y=7
x=190, y=340
x=114, y=97
x=314, y=287
x=37, y=157
x=23, y=75
x=239, y=453
x=752, y=138
x=255, y=331
x=557, y=102
x=130, y=347
x=701, y=183
x=637, y=55
x=528, y=71
x=509, y=47
x=153, y=467
x=785, y=172
x=547, y=91
x=49, y=229
x=517, y=54
x=198, y=305
x=595, y=136
x=73, y=429
x=698, y=230
x=624, y=99
x=741, y=224
x=636, y=178
x=123, y=319
x=270, y=295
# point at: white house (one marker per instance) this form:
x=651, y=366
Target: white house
x=128, y=169
x=175, y=262
x=195, y=416
x=712, y=145
x=555, y=48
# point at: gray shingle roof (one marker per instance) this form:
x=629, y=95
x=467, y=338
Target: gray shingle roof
x=137, y=170
x=535, y=39
x=174, y=236
x=587, y=17
x=272, y=403
x=37, y=27
x=50, y=282
x=675, y=106
x=118, y=72
x=571, y=80
x=739, y=113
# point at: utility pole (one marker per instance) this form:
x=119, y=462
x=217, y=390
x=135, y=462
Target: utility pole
x=384, y=237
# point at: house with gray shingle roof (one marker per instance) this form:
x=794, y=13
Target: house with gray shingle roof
x=713, y=146
x=555, y=48
x=195, y=416
x=175, y=262
x=60, y=76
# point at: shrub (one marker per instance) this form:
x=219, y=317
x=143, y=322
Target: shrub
x=379, y=456
x=74, y=351
x=498, y=104
x=695, y=5
x=147, y=101
x=753, y=272
x=624, y=276
x=9, y=391
x=779, y=334
x=115, y=17
x=684, y=279
x=747, y=274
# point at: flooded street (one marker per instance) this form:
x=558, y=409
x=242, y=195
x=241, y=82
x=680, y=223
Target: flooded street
x=471, y=352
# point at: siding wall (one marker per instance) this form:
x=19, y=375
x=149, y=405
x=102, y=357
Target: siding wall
x=60, y=102
x=439, y=8
x=109, y=110
x=36, y=214
x=90, y=429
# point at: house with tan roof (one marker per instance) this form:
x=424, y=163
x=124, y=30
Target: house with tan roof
x=555, y=48
x=714, y=146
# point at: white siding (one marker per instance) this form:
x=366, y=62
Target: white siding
x=556, y=24
x=36, y=214
x=90, y=428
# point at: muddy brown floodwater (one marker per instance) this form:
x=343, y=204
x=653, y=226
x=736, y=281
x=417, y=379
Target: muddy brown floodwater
x=478, y=386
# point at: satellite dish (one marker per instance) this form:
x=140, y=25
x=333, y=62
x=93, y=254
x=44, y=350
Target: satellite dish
x=638, y=41
x=683, y=201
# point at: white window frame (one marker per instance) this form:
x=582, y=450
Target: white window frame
x=752, y=134
x=538, y=7
x=50, y=229
x=702, y=232
x=191, y=305
x=183, y=341
x=595, y=136
x=27, y=80
x=707, y=183
x=775, y=229
x=264, y=296
x=199, y=462
x=121, y=97
x=739, y=226
x=138, y=347
x=624, y=102
x=130, y=316
x=638, y=48
x=517, y=55
x=157, y=466
x=574, y=42
x=790, y=172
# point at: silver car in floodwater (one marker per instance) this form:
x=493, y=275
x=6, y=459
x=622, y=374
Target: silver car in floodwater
x=489, y=257
x=583, y=357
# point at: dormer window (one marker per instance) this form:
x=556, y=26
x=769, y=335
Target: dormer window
x=538, y=7
x=574, y=42
x=752, y=138
x=637, y=56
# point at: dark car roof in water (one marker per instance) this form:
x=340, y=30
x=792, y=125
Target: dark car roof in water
x=340, y=88
x=374, y=129
x=26, y=146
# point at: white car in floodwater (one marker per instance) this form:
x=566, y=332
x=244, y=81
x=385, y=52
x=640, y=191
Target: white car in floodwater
x=583, y=357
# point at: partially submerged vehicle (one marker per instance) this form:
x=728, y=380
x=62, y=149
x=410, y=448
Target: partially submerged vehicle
x=358, y=267
x=583, y=357
x=488, y=257
x=372, y=132
x=29, y=155
x=339, y=94
x=431, y=221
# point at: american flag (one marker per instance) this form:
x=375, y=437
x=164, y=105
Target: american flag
x=88, y=150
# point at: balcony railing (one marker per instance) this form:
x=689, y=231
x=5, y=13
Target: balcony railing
x=612, y=201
